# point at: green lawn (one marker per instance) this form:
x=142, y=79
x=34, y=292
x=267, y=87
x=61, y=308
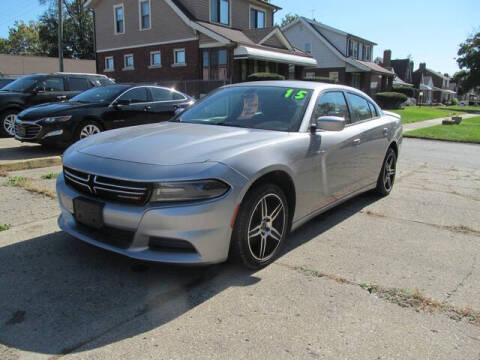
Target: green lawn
x=411, y=114
x=474, y=109
x=467, y=131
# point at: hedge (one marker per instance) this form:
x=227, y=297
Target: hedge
x=390, y=100
x=323, y=79
x=407, y=90
x=265, y=76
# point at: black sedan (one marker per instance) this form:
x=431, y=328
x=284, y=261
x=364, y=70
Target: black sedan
x=96, y=110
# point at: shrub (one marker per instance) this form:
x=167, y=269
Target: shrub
x=407, y=90
x=323, y=79
x=390, y=100
x=265, y=76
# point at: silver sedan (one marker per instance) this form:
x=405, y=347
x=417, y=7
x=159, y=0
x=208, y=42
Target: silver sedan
x=229, y=177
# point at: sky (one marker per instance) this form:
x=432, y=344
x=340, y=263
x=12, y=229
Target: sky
x=428, y=30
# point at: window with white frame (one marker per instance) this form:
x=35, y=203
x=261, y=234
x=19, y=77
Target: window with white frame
x=220, y=11
x=179, y=57
x=128, y=62
x=119, y=17
x=257, y=18
x=144, y=11
x=155, y=59
x=308, y=48
x=109, y=64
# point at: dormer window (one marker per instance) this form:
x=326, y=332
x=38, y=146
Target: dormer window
x=220, y=11
x=257, y=18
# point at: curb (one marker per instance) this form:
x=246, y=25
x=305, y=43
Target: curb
x=31, y=163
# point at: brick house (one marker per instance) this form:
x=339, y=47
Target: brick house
x=433, y=83
x=342, y=57
x=185, y=40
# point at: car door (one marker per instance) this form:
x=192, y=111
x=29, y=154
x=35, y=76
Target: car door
x=132, y=111
x=164, y=103
x=372, y=137
x=337, y=155
x=48, y=89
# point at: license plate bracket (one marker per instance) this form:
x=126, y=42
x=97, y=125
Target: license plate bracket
x=88, y=212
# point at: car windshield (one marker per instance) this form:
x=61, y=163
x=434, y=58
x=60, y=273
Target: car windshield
x=22, y=84
x=258, y=107
x=97, y=95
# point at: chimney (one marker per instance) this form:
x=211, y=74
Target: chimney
x=387, y=57
x=422, y=66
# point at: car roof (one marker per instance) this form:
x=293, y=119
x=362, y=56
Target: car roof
x=65, y=73
x=311, y=85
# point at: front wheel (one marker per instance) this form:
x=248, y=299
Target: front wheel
x=87, y=129
x=7, y=120
x=386, y=178
x=261, y=227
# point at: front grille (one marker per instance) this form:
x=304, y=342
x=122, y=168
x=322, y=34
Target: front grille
x=106, y=188
x=27, y=131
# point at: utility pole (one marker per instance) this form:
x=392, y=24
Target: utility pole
x=60, y=36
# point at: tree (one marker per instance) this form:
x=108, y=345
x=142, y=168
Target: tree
x=22, y=39
x=77, y=30
x=469, y=62
x=288, y=18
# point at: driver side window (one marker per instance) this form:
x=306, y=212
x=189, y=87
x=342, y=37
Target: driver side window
x=332, y=104
x=51, y=84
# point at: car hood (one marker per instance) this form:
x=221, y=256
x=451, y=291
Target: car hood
x=174, y=143
x=52, y=109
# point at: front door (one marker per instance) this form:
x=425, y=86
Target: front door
x=337, y=154
x=49, y=89
x=132, y=111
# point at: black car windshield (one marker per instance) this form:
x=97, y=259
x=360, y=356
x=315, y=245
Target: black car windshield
x=100, y=95
x=22, y=84
x=258, y=107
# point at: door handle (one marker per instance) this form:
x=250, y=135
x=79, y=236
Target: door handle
x=385, y=131
x=147, y=108
x=356, y=142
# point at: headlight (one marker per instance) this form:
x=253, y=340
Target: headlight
x=54, y=119
x=188, y=190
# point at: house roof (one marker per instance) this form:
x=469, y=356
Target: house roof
x=401, y=65
x=319, y=26
x=375, y=67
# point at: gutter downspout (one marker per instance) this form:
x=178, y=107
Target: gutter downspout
x=94, y=40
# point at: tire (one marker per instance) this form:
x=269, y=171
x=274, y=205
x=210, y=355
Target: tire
x=7, y=123
x=268, y=236
x=386, y=179
x=86, y=129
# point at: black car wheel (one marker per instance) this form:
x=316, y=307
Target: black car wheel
x=8, y=122
x=387, y=174
x=261, y=227
x=87, y=129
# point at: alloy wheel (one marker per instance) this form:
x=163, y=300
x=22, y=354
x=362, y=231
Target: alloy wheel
x=266, y=227
x=89, y=130
x=389, y=172
x=9, y=124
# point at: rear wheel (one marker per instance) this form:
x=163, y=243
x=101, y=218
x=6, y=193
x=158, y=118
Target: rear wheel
x=7, y=120
x=386, y=178
x=261, y=227
x=86, y=129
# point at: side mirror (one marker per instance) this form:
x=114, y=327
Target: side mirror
x=329, y=123
x=179, y=110
x=38, y=89
x=121, y=102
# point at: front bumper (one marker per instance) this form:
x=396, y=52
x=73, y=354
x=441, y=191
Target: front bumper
x=37, y=132
x=204, y=225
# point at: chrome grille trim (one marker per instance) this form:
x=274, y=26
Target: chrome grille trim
x=116, y=190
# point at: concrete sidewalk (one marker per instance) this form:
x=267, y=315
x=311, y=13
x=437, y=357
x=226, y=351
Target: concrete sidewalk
x=15, y=155
x=432, y=122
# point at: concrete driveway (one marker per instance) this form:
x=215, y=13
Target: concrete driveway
x=391, y=278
